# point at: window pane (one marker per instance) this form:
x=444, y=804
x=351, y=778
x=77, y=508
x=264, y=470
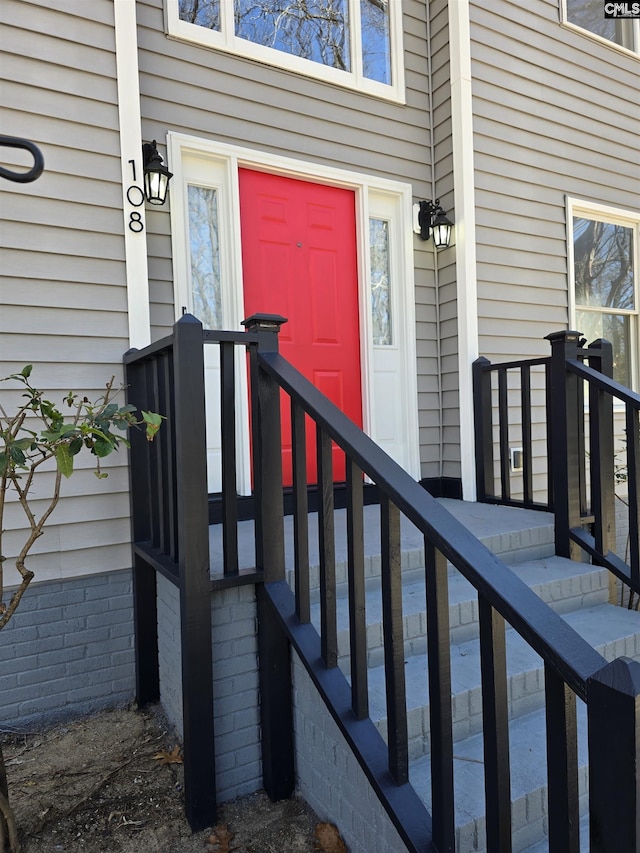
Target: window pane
x=380, y=281
x=204, y=13
x=589, y=14
x=376, y=46
x=613, y=328
x=311, y=29
x=205, y=256
x=603, y=258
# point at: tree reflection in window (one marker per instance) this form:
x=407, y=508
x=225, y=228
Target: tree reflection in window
x=376, y=40
x=317, y=30
x=204, y=247
x=603, y=255
x=604, y=283
x=589, y=14
x=204, y=13
x=380, y=281
x=311, y=29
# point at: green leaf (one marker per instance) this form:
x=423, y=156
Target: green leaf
x=64, y=460
x=153, y=423
x=75, y=446
x=26, y=371
x=103, y=447
x=17, y=455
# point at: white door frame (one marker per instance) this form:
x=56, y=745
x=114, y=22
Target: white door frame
x=188, y=154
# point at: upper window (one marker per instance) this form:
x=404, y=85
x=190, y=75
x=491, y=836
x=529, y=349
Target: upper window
x=589, y=15
x=356, y=43
x=607, y=286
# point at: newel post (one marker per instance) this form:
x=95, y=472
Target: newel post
x=613, y=703
x=602, y=449
x=194, y=570
x=274, y=664
x=564, y=454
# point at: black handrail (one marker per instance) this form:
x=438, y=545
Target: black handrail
x=546, y=631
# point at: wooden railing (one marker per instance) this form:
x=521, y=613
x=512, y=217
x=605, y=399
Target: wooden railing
x=579, y=471
x=572, y=667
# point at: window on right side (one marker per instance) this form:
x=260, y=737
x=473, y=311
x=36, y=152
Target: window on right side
x=606, y=286
x=589, y=16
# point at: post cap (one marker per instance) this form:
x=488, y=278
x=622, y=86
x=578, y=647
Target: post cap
x=263, y=322
x=568, y=335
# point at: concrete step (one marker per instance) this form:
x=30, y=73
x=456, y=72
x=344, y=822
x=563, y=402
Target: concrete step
x=565, y=585
x=613, y=631
x=528, y=783
x=517, y=535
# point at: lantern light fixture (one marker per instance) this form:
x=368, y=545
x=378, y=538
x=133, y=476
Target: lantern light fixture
x=432, y=221
x=156, y=175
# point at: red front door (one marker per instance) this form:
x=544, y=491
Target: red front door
x=299, y=260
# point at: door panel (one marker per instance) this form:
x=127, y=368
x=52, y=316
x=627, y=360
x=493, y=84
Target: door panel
x=299, y=260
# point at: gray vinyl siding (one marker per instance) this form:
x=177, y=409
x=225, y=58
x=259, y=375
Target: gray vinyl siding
x=63, y=300
x=210, y=94
x=556, y=114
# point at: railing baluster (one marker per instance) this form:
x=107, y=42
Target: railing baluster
x=229, y=485
x=548, y=393
x=393, y=641
x=527, y=456
x=440, y=714
x=503, y=410
x=633, y=487
x=495, y=723
x=300, y=512
x=155, y=531
x=327, y=548
x=562, y=765
x=357, y=613
x=167, y=454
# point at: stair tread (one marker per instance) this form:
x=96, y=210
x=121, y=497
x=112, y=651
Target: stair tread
x=606, y=627
x=535, y=573
x=528, y=763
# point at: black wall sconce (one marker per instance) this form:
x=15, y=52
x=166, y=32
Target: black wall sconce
x=156, y=176
x=433, y=222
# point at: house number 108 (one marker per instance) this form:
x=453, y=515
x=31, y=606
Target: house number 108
x=135, y=197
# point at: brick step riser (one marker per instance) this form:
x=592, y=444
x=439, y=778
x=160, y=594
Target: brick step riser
x=529, y=818
x=563, y=596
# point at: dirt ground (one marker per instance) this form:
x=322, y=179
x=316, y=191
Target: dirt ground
x=112, y=783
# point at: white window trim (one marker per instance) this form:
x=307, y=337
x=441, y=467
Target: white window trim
x=565, y=22
x=630, y=219
x=394, y=197
x=228, y=42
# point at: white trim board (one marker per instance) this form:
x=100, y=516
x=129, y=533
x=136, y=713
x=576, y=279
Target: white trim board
x=372, y=193
x=135, y=243
x=465, y=245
